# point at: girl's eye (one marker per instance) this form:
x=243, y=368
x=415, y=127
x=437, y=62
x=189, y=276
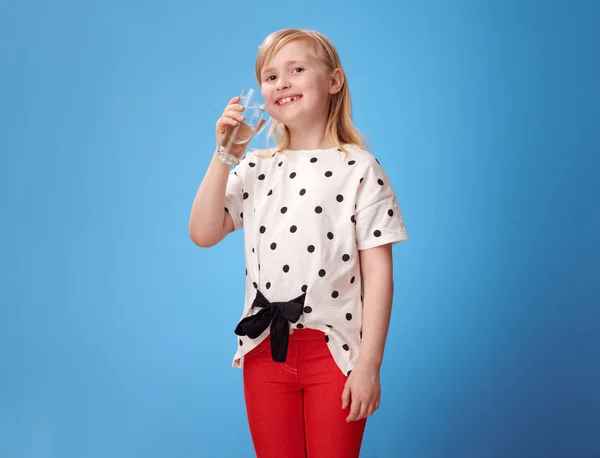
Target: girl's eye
x=270, y=78
x=299, y=69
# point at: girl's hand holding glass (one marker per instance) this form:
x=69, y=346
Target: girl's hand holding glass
x=238, y=124
x=232, y=116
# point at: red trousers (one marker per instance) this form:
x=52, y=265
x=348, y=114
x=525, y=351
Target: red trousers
x=295, y=408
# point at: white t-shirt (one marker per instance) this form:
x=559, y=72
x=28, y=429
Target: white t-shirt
x=306, y=214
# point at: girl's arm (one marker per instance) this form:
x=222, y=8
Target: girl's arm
x=377, y=269
x=209, y=222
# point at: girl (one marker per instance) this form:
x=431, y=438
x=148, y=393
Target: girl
x=319, y=216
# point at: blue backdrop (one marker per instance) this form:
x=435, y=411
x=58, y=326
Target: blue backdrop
x=116, y=331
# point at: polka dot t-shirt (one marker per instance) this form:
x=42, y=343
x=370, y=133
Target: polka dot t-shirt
x=306, y=214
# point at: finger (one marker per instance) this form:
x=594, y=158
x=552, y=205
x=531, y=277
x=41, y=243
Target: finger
x=371, y=409
x=224, y=122
x=235, y=99
x=364, y=410
x=234, y=115
x=234, y=107
x=346, y=395
x=354, y=410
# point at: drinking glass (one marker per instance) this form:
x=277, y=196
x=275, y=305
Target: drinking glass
x=237, y=138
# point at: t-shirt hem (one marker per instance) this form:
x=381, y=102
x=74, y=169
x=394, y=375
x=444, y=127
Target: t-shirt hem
x=394, y=238
x=342, y=363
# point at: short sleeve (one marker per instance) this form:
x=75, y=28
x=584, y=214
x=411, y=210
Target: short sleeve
x=234, y=198
x=378, y=218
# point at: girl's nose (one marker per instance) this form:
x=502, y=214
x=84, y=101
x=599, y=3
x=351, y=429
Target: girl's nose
x=282, y=83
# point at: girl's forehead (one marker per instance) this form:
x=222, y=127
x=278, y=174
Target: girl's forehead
x=294, y=50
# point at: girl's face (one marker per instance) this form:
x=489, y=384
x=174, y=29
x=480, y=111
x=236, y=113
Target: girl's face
x=296, y=86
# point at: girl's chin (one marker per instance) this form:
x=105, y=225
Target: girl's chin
x=289, y=122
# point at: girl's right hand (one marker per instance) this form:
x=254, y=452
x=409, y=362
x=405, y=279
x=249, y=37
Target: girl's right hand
x=231, y=117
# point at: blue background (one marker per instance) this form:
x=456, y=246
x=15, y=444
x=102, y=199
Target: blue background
x=116, y=331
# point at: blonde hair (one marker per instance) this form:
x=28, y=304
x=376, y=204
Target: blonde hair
x=339, y=130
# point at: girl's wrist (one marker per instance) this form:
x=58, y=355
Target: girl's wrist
x=370, y=363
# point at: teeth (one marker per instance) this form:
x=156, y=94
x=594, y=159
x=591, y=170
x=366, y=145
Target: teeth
x=287, y=100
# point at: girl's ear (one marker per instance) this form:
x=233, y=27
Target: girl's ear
x=336, y=81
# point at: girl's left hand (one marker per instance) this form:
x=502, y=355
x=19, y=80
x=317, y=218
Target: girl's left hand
x=362, y=391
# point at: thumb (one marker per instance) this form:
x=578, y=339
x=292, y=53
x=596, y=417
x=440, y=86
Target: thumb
x=346, y=395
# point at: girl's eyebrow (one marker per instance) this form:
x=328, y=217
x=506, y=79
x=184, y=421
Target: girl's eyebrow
x=287, y=64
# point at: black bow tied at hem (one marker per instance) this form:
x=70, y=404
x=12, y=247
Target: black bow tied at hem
x=279, y=315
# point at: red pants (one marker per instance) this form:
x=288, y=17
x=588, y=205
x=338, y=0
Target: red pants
x=295, y=408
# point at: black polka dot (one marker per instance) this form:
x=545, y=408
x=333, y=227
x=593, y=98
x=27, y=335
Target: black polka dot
x=361, y=297
x=262, y=229
x=318, y=209
x=299, y=325
x=241, y=343
x=329, y=326
x=307, y=309
x=246, y=271
x=283, y=209
x=346, y=257
x=326, y=339
x=269, y=193
x=286, y=268
x=246, y=195
x=311, y=248
x=261, y=176
x=346, y=347
x=252, y=250
x=254, y=284
x=348, y=316
x=380, y=181
x=330, y=235
x=360, y=334
x=335, y=294
x=304, y=288
x=313, y=159
x=391, y=212
x=349, y=372
x=268, y=285
x=352, y=280
x=293, y=229
x=279, y=165
x=328, y=174
x=242, y=215
x=378, y=161
x=322, y=273
x=351, y=162
x=259, y=267
x=293, y=175
x=377, y=233
x=251, y=164
x=302, y=192
x=273, y=245
x=339, y=198
x=353, y=219
x=226, y=209
x=361, y=180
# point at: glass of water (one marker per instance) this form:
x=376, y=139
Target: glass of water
x=237, y=138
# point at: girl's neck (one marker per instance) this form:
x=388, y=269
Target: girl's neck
x=308, y=138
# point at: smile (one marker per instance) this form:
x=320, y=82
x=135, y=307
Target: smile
x=288, y=100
